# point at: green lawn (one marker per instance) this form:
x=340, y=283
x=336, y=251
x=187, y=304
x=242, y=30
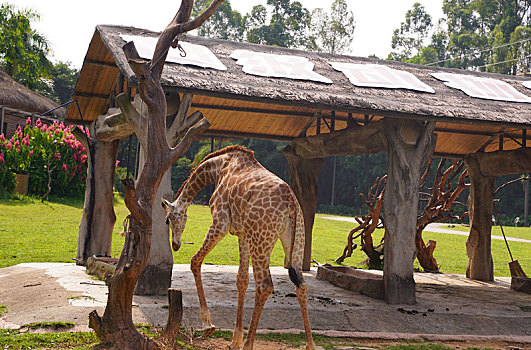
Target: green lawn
x=31, y=231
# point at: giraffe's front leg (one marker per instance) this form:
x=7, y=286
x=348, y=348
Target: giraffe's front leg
x=241, y=283
x=215, y=234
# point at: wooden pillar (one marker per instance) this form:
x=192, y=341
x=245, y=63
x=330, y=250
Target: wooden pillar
x=409, y=146
x=480, y=203
x=97, y=224
x=303, y=175
x=156, y=277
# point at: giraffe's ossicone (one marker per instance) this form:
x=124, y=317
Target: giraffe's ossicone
x=259, y=208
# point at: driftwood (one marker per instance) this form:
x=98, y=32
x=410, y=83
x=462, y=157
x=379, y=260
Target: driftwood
x=367, y=224
x=439, y=199
x=439, y=202
x=116, y=326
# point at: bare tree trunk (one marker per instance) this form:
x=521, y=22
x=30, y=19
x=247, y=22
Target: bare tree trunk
x=480, y=266
x=303, y=175
x=410, y=145
x=97, y=223
x=116, y=325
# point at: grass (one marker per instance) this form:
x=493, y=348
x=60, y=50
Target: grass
x=31, y=231
x=14, y=339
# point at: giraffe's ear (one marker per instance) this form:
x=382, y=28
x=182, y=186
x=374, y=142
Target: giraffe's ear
x=166, y=204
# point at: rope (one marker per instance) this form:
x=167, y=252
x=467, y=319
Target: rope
x=130, y=224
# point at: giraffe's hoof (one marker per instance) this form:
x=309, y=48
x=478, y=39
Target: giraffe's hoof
x=207, y=332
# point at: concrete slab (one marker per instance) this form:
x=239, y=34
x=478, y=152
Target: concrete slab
x=448, y=305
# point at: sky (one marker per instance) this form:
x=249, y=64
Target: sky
x=69, y=25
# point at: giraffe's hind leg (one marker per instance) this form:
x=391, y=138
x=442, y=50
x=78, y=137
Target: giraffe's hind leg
x=215, y=233
x=242, y=282
x=302, y=296
x=264, y=287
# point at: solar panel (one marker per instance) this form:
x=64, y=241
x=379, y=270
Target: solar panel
x=486, y=88
x=196, y=55
x=277, y=66
x=379, y=76
x=527, y=84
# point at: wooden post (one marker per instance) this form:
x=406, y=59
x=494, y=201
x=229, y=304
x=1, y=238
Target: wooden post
x=480, y=266
x=303, y=175
x=410, y=145
x=175, y=315
x=98, y=226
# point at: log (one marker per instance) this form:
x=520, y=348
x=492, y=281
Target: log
x=405, y=165
x=480, y=202
x=113, y=126
x=352, y=141
x=303, y=175
x=498, y=163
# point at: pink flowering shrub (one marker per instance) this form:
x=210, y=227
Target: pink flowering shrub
x=47, y=150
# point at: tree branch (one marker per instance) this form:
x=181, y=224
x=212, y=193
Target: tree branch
x=190, y=135
x=138, y=122
x=177, y=125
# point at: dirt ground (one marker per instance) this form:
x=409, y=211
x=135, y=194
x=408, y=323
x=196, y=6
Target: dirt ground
x=450, y=309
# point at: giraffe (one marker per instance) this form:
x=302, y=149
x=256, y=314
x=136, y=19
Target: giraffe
x=259, y=208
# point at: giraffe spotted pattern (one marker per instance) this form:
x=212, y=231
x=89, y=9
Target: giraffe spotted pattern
x=259, y=208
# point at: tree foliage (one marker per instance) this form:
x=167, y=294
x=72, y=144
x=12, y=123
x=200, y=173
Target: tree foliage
x=24, y=56
x=331, y=33
x=412, y=32
x=23, y=51
x=488, y=35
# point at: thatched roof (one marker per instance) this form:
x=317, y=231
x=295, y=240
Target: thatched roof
x=237, y=103
x=17, y=96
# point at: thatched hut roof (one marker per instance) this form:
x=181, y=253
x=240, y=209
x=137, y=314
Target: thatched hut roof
x=239, y=104
x=17, y=96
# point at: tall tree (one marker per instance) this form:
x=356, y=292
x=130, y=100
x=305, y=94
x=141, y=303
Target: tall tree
x=287, y=26
x=23, y=50
x=60, y=84
x=332, y=33
x=412, y=32
x=226, y=23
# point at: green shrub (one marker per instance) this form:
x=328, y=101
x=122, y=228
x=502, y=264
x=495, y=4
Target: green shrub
x=46, y=153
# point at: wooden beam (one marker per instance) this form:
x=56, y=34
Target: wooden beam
x=237, y=134
x=356, y=140
x=100, y=63
x=85, y=94
x=282, y=112
x=499, y=163
x=345, y=109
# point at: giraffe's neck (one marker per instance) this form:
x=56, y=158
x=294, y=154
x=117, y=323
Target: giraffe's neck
x=205, y=174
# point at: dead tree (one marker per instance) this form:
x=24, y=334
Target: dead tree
x=367, y=224
x=116, y=326
x=439, y=199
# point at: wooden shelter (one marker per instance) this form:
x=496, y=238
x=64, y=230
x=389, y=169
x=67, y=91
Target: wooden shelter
x=17, y=103
x=338, y=118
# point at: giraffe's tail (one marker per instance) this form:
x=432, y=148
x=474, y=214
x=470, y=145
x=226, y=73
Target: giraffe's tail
x=297, y=244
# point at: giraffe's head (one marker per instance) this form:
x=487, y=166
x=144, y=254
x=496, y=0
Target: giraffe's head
x=176, y=218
